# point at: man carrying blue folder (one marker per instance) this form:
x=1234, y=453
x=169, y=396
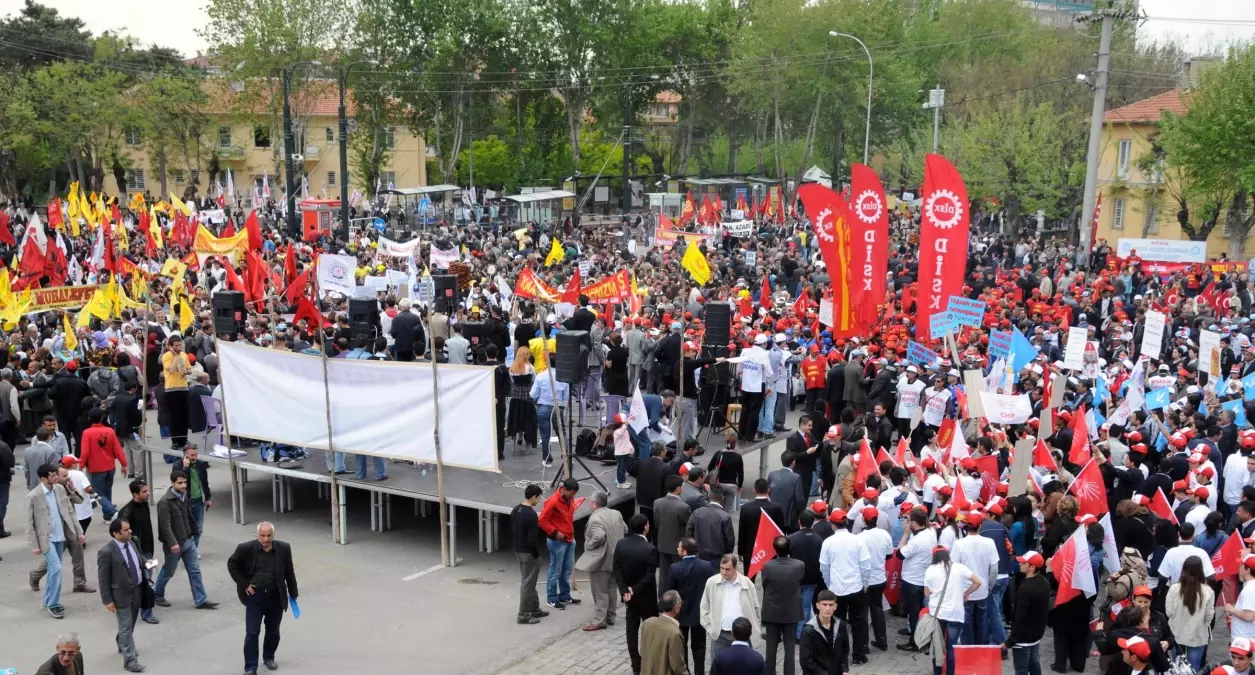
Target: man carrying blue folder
x=264, y=578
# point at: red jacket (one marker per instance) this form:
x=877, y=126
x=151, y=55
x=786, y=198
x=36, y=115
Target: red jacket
x=99, y=448
x=558, y=516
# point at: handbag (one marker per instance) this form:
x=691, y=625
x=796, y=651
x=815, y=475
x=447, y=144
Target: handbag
x=927, y=624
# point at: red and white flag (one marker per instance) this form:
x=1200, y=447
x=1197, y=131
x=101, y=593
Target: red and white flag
x=1090, y=492
x=977, y=660
x=1229, y=557
x=944, y=230
x=1159, y=506
x=764, y=549
x=1043, y=458
x=1071, y=568
x=1079, y=452
x=870, y=235
x=904, y=458
x=866, y=467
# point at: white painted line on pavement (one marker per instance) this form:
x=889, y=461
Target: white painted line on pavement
x=425, y=572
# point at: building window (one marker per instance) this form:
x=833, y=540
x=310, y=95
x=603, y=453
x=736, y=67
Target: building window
x=1152, y=218
x=331, y=178
x=261, y=137
x=1122, y=162
x=387, y=179
x=135, y=180
x=1117, y=216
x=390, y=138
x=331, y=134
x=224, y=137
x=177, y=175
x=195, y=176
x=133, y=136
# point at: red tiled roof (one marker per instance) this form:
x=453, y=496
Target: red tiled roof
x=1148, y=110
x=667, y=97
x=319, y=98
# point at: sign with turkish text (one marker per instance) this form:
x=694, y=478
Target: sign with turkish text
x=918, y=353
x=966, y=312
x=999, y=343
x=1163, y=250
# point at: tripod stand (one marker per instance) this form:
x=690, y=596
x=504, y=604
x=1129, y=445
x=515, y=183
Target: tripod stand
x=568, y=451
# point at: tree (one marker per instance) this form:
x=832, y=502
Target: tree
x=38, y=35
x=174, y=107
x=1213, y=143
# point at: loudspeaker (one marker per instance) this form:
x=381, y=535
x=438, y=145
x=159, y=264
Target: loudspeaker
x=363, y=319
x=447, y=296
x=718, y=318
x=228, y=311
x=570, y=363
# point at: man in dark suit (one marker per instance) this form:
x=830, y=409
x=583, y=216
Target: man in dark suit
x=740, y=658
x=785, y=489
x=583, y=317
x=688, y=576
x=750, y=516
x=650, y=475
x=264, y=580
x=635, y=561
x=782, y=603
x=119, y=570
x=805, y=451
x=671, y=517
x=407, y=330
x=805, y=545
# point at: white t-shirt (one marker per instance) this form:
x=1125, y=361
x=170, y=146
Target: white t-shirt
x=1235, y=478
x=947, y=536
x=908, y=398
x=935, y=581
x=933, y=483
x=879, y=546
x=79, y=480
x=1196, y=516
x=1170, y=566
x=971, y=487
x=935, y=405
x=1246, y=603
x=917, y=555
x=978, y=554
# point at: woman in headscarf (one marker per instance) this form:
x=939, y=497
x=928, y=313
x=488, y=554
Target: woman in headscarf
x=130, y=347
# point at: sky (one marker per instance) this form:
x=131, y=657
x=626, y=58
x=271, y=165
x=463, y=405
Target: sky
x=172, y=23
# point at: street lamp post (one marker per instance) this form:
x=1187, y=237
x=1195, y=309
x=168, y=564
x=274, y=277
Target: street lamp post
x=867, y=129
x=289, y=149
x=344, y=148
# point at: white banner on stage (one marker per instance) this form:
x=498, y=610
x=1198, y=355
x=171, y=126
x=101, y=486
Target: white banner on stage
x=394, y=249
x=379, y=408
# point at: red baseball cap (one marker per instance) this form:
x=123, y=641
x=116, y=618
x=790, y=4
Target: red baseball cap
x=945, y=490
x=1206, y=471
x=1033, y=558
x=929, y=463
x=871, y=494
x=819, y=506
x=1143, y=591
x=949, y=510
x=1087, y=519
x=1202, y=492
x=1141, y=500
x=1181, y=486
x=968, y=463
x=974, y=518
x=870, y=514
x=837, y=516
x=1242, y=646
x=68, y=461
x=1137, y=646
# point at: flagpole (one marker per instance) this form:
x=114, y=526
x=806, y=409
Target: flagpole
x=445, y=558
x=143, y=383
x=336, y=530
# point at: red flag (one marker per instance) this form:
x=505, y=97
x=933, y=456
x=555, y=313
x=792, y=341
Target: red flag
x=31, y=262
x=977, y=660
x=233, y=280
x=254, y=278
x=228, y=231
x=1160, y=507
x=254, y=231
x=150, y=242
x=54, y=213
x=690, y=209
x=297, y=287
x=306, y=310
x=944, y=231
x=870, y=233
x=706, y=214
x=572, y=293
x=866, y=467
x=893, y=579
x=665, y=223
x=116, y=212
x=1043, y=458
x=988, y=467
x=1229, y=557
x=830, y=221
x=945, y=434
x=111, y=254
x=193, y=261
x=1089, y=491
x=764, y=296
x=764, y=550
x=960, y=500
x=289, y=264
x=1079, y=452
x=6, y=234
x=882, y=457
x=802, y=303
x=1072, y=569
x=780, y=205
x=904, y=458
x=56, y=267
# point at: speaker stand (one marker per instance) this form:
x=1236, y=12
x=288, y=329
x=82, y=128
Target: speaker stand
x=569, y=452
x=720, y=399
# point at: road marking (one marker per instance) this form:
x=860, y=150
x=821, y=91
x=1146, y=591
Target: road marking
x=421, y=573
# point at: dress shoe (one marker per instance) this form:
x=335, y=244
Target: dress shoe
x=528, y=620
x=270, y=665
x=5, y=534
x=207, y=605
x=540, y=614
x=161, y=601
x=860, y=660
x=594, y=627
x=904, y=632
x=149, y=618
x=250, y=672
x=34, y=581
x=908, y=647
x=84, y=589
x=882, y=646
x=134, y=668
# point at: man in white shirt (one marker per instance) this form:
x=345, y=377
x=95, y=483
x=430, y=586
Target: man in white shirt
x=948, y=586
x=979, y=555
x=1170, y=566
x=879, y=548
x=909, y=388
x=78, y=480
x=1242, y=614
x=756, y=373
x=933, y=482
x=1198, y=512
x=847, y=567
x=1238, y=470
x=916, y=551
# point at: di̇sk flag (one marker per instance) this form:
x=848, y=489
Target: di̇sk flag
x=763, y=548
x=944, y=230
x=1229, y=557
x=1071, y=568
x=830, y=221
x=870, y=235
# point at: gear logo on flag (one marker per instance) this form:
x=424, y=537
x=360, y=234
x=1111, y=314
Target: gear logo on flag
x=823, y=227
x=868, y=207
x=944, y=203
x=337, y=271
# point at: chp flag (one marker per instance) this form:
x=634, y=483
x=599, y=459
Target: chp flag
x=830, y=222
x=944, y=230
x=1071, y=567
x=870, y=234
x=768, y=530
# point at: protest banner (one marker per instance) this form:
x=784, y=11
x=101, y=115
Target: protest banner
x=918, y=353
x=825, y=312
x=442, y=257
x=394, y=249
x=740, y=228
x=667, y=238
x=1209, y=352
x=59, y=297
x=966, y=312
x=207, y=245
x=999, y=343
x=1152, y=337
x=940, y=324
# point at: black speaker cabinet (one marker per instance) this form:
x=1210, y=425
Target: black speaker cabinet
x=718, y=317
x=570, y=363
x=447, y=296
x=228, y=312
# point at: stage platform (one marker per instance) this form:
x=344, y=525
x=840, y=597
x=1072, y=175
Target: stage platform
x=489, y=494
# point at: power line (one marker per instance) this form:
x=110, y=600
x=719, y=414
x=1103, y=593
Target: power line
x=1218, y=22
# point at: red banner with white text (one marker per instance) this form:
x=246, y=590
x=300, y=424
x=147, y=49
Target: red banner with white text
x=870, y=234
x=944, y=228
x=830, y=223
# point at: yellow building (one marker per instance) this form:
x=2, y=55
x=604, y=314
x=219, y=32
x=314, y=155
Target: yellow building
x=1138, y=203
x=248, y=140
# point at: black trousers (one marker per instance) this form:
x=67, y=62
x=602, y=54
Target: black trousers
x=501, y=430
x=636, y=613
x=874, y=595
x=261, y=607
x=751, y=407
x=814, y=401
x=694, y=642
x=176, y=408
x=853, y=610
x=777, y=632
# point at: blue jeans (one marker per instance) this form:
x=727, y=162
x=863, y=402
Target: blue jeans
x=767, y=417
x=196, y=509
x=974, y=622
x=953, y=632
x=808, y=600
x=191, y=563
x=561, y=561
x=544, y=418
x=52, y=554
x=995, y=631
x=339, y=461
x=1025, y=660
x=620, y=468
x=102, y=485
x=1195, y=656
x=380, y=471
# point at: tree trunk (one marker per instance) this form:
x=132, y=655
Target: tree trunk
x=161, y=170
x=1239, y=221
x=777, y=137
x=83, y=181
x=119, y=175
x=760, y=133
x=574, y=109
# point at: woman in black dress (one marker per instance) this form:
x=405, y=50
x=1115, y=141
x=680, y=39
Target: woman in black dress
x=521, y=418
x=616, y=373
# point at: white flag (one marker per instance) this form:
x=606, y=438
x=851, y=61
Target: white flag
x=336, y=273
x=638, y=417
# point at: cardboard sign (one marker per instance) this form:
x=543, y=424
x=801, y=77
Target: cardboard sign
x=1209, y=352
x=1152, y=336
x=999, y=343
x=825, y=312
x=966, y=312
x=974, y=381
x=1019, y=467
x=918, y=353
x=940, y=324
x=751, y=257
x=1074, y=350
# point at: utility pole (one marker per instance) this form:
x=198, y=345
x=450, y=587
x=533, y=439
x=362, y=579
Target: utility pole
x=1085, y=222
x=289, y=149
x=936, y=99
x=627, y=148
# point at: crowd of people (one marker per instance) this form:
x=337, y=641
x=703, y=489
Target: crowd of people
x=890, y=487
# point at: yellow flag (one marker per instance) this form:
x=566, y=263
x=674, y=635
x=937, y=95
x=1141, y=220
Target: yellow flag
x=14, y=311
x=6, y=291
x=71, y=340
x=113, y=294
x=123, y=241
x=139, y=286
x=154, y=228
x=178, y=204
x=174, y=268
x=72, y=198
x=556, y=254
x=125, y=302
x=185, y=313
x=695, y=263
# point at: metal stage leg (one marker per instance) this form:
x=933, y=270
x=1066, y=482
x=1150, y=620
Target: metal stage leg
x=344, y=517
x=374, y=511
x=291, y=489
x=240, y=478
x=762, y=462
x=387, y=511
x=417, y=505
x=276, y=493
x=324, y=491
x=453, y=536
x=425, y=507
x=483, y=534
x=496, y=533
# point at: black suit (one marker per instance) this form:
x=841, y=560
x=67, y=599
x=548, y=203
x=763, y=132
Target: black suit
x=750, y=515
x=806, y=464
x=738, y=660
x=688, y=576
x=635, y=562
x=650, y=473
x=582, y=319
x=407, y=329
x=268, y=603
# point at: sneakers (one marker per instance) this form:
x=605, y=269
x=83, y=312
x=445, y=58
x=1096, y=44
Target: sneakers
x=572, y=601
x=134, y=668
x=556, y=605
x=57, y=612
x=207, y=605
x=623, y=486
x=270, y=665
x=547, y=464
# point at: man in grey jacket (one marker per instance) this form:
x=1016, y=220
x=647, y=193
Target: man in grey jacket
x=785, y=490
x=711, y=526
x=634, y=340
x=604, y=530
x=38, y=454
x=178, y=535
x=671, y=516
x=782, y=603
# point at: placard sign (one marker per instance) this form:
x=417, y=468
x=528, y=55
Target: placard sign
x=1074, y=350
x=918, y=353
x=966, y=312
x=940, y=324
x=999, y=343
